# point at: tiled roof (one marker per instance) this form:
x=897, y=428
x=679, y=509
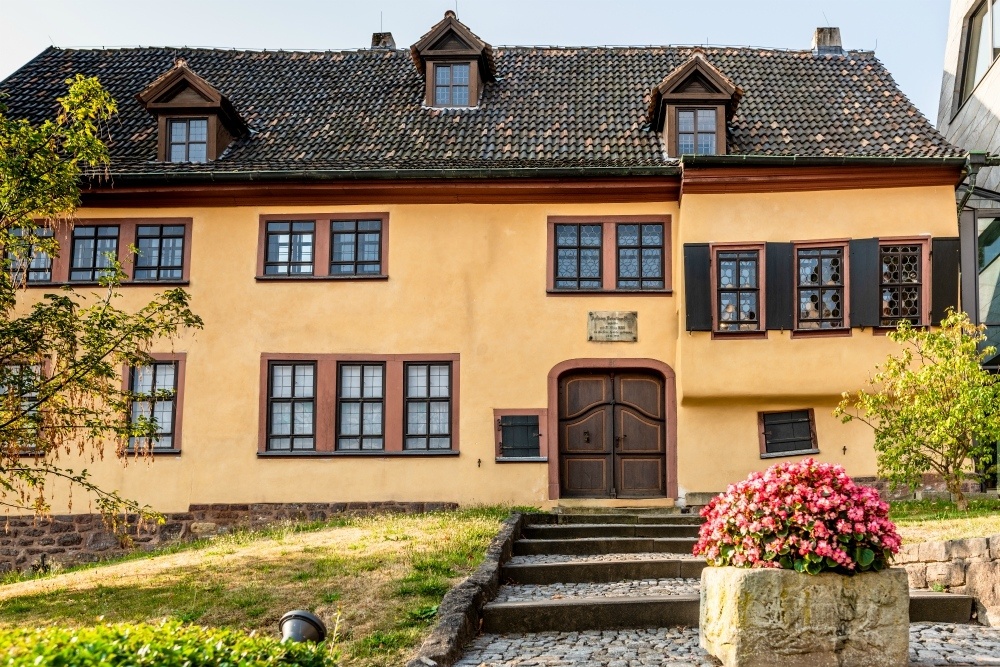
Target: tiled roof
x=550, y=107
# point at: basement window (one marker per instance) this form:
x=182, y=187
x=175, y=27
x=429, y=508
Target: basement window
x=791, y=433
x=519, y=435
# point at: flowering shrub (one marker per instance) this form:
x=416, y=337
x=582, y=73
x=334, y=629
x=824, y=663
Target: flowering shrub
x=807, y=516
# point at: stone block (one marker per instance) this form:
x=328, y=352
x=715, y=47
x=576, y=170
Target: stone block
x=995, y=547
x=699, y=498
x=762, y=617
x=917, y=574
x=69, y=540
x=908, y=553
x=982, y=581
x=974, y=547
x=203, y=528
x=932, y=551
x=946, y=574
x=102, y=541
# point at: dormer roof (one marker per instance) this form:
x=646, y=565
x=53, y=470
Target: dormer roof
x=452, y=39
x=180, y=90
x=696, y=80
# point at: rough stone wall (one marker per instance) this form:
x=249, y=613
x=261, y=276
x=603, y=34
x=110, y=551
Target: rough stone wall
x=27, y=542
x=969, y=567
x=932, y=486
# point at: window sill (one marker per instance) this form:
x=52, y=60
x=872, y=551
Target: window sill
x=797, y=452
x=739, y=334
x=820, y=333
x=361, y=455
x=153, y=452
x=127, y=283
x=268, y=279
x=522, y=459
x=609, y=292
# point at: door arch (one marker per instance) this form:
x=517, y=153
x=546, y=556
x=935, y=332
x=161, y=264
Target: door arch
x=610, y=367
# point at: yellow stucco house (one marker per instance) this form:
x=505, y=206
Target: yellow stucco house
x=459, y=273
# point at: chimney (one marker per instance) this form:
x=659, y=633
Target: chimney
x=826, y=42
x=383, y=40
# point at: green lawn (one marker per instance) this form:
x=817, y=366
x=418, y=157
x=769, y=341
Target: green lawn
x=928, y=520
x=382, y=577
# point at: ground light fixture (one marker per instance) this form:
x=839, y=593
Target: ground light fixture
x=300, y=625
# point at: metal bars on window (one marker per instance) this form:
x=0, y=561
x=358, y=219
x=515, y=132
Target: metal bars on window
x=361, y=407
x=154, y=398
x=188, y=140
x=820, y=287
x=161, y=252
x=95, y=249
x=901, y=283
x=289, y=248
x=640, y=256
x=578, y=257
x=356, y=248
x=738, y=290
x=428, y=397
x=291, y=403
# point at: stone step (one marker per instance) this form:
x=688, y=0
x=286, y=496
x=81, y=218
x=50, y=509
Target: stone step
x=578, y=614
x=548, y=518
x=581, y=571
x=932, y=607
x=576, y=530
x=605, y=545
x=630, y=588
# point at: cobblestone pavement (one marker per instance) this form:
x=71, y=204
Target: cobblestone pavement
x=630, y=588
x=596, y=558
x=930, y=645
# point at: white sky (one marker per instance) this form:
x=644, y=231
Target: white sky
x=907, y=35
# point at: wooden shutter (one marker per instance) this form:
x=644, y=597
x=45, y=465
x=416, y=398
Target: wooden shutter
x=698, y=286
x=944, y=276
x=780, y=296
x=865, y=280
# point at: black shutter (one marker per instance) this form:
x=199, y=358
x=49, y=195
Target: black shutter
x=779, y=263
x=865, y=280
x=698, y=286
x=944, y=276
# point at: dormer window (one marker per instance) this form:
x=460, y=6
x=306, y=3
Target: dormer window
x=451, y=85
x=188, y=140
x=195, y=122
x=455, y=64
x=692, y=105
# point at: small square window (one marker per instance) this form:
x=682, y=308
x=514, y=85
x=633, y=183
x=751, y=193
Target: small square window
x=188, y=140
x=27, y=263
x=356, y=248
x=289, y=248
x=451, y=85
x=520, y=436
x=161, y=252
x=787, y=433
x=697, y=131
x=95, y=249
x=901, y=283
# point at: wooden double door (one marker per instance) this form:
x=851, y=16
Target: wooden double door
x=612, y=435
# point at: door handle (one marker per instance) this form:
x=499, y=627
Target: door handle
x=619, y=441
x=586, y=436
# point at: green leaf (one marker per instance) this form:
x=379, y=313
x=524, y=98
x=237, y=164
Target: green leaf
x=866, y=558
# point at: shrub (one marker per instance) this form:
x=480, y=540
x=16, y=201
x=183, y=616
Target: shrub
x=807, y=516
x=170, y=644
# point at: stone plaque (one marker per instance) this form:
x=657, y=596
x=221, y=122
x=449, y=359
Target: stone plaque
x=613, y=326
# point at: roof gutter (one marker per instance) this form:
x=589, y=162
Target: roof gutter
x=708, y=161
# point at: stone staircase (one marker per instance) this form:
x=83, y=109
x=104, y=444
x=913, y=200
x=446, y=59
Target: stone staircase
x=578, y=571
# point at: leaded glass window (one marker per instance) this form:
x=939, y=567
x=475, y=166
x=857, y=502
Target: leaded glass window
x=578, y=257
x=901, y=283
x=361, y=407
x=428, y=406
x=188, y=140
x=356, y=248
x=290, y=248
x=161, y=252
x=640, y=256
x=291, y=407
x=154, y=398
x=696, y=131
x=738, y=290
x=27, y=262
x=451, y=85
x=95, y=249
x=820, y=290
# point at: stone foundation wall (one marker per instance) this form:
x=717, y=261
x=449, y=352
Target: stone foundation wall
x=27, y=542
x=931, y=486
x=969, y=567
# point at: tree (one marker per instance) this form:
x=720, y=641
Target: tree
x=933, y=407
x=61, y=356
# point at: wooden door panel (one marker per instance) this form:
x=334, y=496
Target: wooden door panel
x=641, y=392
x=637, y=433
x=591, y=434
x=586, y=476
x=581, y=393
x=640, y=476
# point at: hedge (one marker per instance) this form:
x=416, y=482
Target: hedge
x=170, y=644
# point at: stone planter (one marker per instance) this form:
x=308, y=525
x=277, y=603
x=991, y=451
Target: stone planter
x=762, y=618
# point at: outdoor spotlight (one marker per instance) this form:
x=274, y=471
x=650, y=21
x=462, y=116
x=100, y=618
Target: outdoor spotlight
x=301, y=626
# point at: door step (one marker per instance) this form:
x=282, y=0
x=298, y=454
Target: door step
x=605, y=545
x=583, y=571
x=612, y=505
x=577, y=614
x=606, y=517
x=583, y=530
x=932, y=607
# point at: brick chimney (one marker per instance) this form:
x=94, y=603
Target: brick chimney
x=383, y=40
x=826, y=42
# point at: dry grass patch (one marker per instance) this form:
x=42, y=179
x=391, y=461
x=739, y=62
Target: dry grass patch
x=933, y=520
x=384, y=575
